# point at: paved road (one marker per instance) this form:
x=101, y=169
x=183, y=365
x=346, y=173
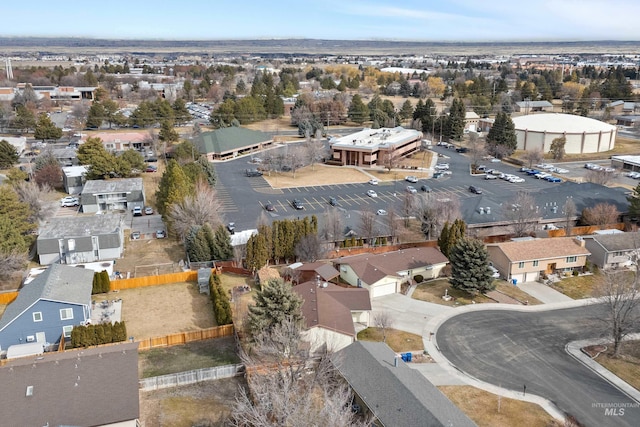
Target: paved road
x=512, y=349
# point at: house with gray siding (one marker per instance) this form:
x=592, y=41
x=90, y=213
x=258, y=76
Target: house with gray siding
x=112, y=194
x=613, y=250
x=75, y=240
x=73, y=178
x=48, y=307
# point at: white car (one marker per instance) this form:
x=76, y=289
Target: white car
x=69, y=201
x=372, y=193
x=373, y=181
x=516, y=179
x=490, y=176
x=411, y=189
x=559, y=170
x=544, y=166
x=494, y=160
x=411, y=178
x=442, y=166
x=494, y=272
x=542, y=175
x=381, y=212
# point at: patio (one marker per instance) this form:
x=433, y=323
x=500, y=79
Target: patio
x=107, y=311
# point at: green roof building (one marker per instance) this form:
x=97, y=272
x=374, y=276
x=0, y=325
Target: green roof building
x=227, y=143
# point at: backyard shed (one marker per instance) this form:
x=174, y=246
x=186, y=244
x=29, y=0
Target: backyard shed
x=204, y=274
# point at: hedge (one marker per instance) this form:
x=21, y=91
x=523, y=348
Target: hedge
x=102, y=333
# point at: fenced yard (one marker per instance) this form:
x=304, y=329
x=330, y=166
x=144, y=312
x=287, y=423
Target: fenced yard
x=190, y=377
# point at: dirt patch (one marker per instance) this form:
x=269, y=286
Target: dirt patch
x=487, y=409
x=240, y=297
x=155, y=311
x=399, y=341
x=149, y=257
x=316, y=175
x=187, y=357
x=206, y=404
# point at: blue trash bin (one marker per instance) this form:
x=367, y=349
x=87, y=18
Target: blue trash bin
x=515, y=282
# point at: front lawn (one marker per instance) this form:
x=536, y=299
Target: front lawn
x=627, y=366
x=578, y=287
x=515, y=292
x=399, y=341
x=433, y=291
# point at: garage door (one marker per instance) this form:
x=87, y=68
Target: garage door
x=380, y=290
x=518, y=277
x=531, y=277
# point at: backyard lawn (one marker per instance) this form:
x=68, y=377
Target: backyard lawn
x=154, y=311
x=399, y=341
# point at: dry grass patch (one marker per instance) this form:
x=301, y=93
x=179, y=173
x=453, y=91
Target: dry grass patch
x=154, y=311
x=399, y=341
x=578, y=287
x=487, y=409
x=241, y=300
x=627, y=366
x=434, y=290
x=148, y=253
x=206, y=404
x=316, y=175
x=515, y=292
x=3, y=307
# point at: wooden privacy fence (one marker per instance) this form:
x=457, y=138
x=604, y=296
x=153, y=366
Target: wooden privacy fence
x=161, y=279
x=8, y=297
x=190, y=377
x=185, y=337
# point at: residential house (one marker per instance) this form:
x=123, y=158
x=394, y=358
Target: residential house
x=73, y=178
x=228, y=143
x=73, y=240
x=627, y=120
x=533, y=106
x=384, y=274
x=330, y=313
x=471, y=121
x=88, y=387
x=112, y=194
x=48, y=307
x=391, y=392
x=527, y=260
x=370, y=147
x=613, y=250
x=303, y=272
x=122, y=141
x=65, y=156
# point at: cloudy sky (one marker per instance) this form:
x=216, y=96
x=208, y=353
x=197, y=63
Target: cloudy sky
x=425, y=20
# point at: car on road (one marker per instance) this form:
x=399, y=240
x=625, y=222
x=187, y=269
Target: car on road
x=462, y=149
x=425, y=188
x=475, y=190
x=297, y=204
x=69, y=201
x=160, y=234
x=137, y=211
x=372, y=193
x=333, y=201
x=411, y=178
x=253, y=172
x=490, y=176
x=231, y=227
x=411, y=189
x=373, y=181
x=148, y=210
x=495, y=160
x=135, y=235
x=269, y=207
x=381, y=212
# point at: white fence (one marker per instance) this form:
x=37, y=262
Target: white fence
x=190, y=377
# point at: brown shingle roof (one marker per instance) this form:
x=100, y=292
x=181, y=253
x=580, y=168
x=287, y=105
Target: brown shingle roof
x=324, y=270
x=537, y=249
x=371, y=268
x=330, y=307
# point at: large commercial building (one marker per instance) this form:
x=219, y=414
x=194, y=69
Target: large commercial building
x=583, y=135
x=371, y=147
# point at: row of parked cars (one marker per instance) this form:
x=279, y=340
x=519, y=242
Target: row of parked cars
x=594, y=167
x=540, y=174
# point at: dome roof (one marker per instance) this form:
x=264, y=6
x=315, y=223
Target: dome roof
x=560, y=123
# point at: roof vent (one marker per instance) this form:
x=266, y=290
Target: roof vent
x=29, y=390
x=481, y=210
x=488, y=210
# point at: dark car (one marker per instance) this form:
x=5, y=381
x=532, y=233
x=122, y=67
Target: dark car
x=297, y=204
x=462, y=149
x=438, y=175
x=253, y=172
x=333, y=201
x=426, y=189
x=231, y=227
x=269, y=207
x=475, y=190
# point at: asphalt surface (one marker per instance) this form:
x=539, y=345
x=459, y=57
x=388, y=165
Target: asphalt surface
x=516, y=349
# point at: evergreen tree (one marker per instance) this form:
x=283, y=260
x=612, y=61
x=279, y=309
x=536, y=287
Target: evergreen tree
x=24, y=119
x=470, y=270
x=173, y=187
x=180, y=111
x=634, y=201
x=8, y=155
x=502, y=136
x=167, y=132
x=105, y=281
x=46, y=129
x=358, y=110
x=274, y=303
x=100, y=162
x=96, y=115
x=457, y=115
x=198, y=248
x=221, y=248
x=220, y=301
x=257, y=252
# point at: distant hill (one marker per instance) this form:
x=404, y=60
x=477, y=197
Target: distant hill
x=269, y=47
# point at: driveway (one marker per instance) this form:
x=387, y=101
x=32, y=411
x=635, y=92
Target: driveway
x=409, y=315
x=514, y=349
x=543, y=293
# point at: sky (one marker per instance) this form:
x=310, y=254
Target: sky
x=420, y=20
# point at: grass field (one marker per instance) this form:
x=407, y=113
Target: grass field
x=187, y=357
x=577, y=287
x=399, y=341
x=627, y=366
x=489, y=410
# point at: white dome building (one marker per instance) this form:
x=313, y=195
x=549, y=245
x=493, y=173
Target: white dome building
x=584, y=135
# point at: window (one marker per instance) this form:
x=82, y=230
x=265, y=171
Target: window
x=535, y=263
x=521, y=264
x=66, y=331
x=66, y=313
x=37, y=316
x=571, y=259
x=618, y=254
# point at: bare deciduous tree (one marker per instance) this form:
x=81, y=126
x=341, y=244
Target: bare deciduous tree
x=392, y=223
x=333, y=225
x=619, y=293
x=384, y=321
x=600, y=177
x=38, y=198
x=315, y=151
x=367, y=225
x=521, y=213
x=309, y=248
x=11, y=265
x=409, y=205
x=436, y=209
x=390, y=159
x=570, y=210
x=600, y=214
x=477, y=149
x=195, y=210
x=532, y=157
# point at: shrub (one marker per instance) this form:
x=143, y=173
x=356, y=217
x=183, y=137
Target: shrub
x=103, y=333
x=220, y=301
x=575, y=272
x=418, y=278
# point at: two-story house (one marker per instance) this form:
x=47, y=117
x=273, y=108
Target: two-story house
x=113, y=194
x=613, y=250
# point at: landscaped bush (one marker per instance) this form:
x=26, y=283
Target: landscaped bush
x=102, y=333
x=101, y=283
x=220, y=301
x=575, y=272
x=418, y=278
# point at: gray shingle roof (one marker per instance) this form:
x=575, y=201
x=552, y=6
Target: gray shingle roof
x=86, y=387
x=398, y=396
x=618, y=242
x=77, y=226
x=124, y=185
x=231, y=138
x=56, y=283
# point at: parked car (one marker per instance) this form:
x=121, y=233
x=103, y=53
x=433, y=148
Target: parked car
x=148, y=210
x=516, y=179
x=411, y=189
x=475, y=190
x=69, y=201
x=135, y=235
x=381, y=212
x=426, y=189
x=231, y=227
x=542, y=175
x=297, y=204
x=495, y=160
x=442, y=166
x=462, y=149
x=269, y=207
x=559, y=170
x=494, y=272
x=553, y=179
x=333, y=201
x=373, y=181
x=524, y=169
x=533, y=172
x=490, y=176
x=137, y=211
x=151, y=168
x=411, y=178
x=438, y=175
x=253, y=172
x=372, y=193
x=160, y=234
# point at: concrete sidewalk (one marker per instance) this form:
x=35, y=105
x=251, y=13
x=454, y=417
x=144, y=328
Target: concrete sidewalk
x=543, y=293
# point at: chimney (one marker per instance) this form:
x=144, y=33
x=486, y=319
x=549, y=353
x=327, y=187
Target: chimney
x=395, y=361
